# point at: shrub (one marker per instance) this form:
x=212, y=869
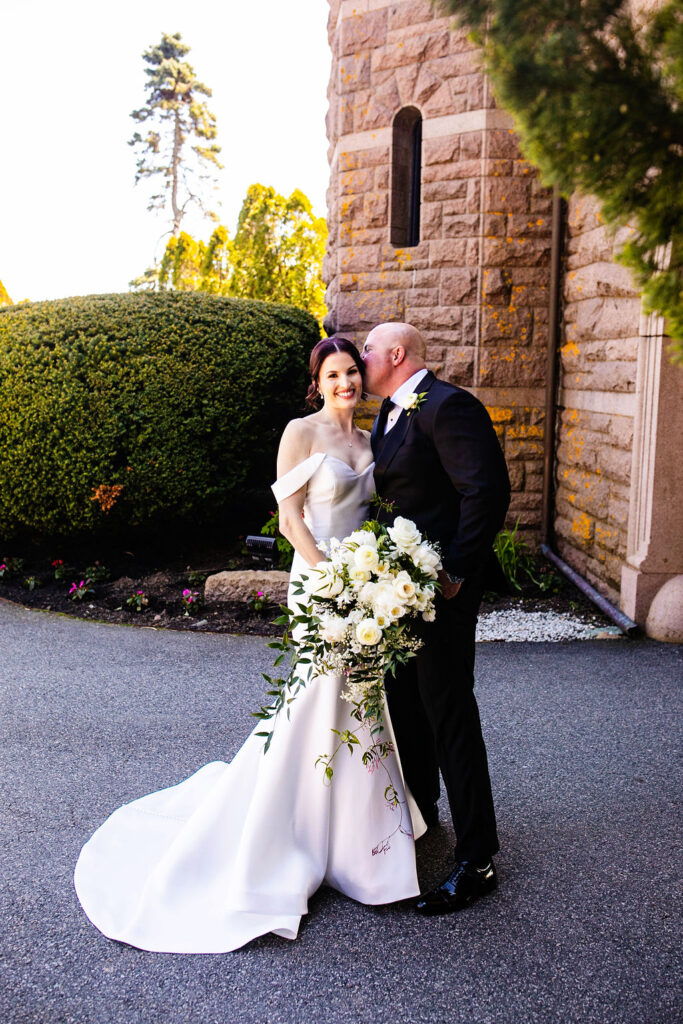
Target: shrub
x=136, y=410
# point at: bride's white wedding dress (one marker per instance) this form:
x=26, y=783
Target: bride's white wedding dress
x=236, y=850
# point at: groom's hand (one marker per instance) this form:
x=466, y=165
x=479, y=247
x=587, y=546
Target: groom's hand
x=448, y=589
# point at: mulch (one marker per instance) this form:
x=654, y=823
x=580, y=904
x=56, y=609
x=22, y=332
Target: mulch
x=163, y=586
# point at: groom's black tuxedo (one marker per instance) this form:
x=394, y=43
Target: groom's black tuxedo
x=441, y=466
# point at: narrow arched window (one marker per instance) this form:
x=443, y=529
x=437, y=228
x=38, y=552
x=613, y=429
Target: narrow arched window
x=406, y=172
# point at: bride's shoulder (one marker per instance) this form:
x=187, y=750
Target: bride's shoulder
x=296, y=443
x=298, y=431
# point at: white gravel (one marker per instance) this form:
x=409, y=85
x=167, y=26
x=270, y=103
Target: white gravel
x=540, y=627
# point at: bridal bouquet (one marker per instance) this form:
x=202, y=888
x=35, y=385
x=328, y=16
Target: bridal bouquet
x=356, y=617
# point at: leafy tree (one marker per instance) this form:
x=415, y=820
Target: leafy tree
x=178, y=146
x=278, y=249
x=596, y=91
x=4, y=297
x=276, y=254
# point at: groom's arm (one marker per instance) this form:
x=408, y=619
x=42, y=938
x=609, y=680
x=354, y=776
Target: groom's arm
x=469, y=452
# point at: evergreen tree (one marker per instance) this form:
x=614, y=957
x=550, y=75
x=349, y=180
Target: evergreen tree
x=596, y=92
x=178, y=146
x=4, y=297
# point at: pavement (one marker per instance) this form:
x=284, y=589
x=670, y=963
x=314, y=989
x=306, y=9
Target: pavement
x=585, y=926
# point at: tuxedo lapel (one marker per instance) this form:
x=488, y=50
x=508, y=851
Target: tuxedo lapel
x=377, y=431
x=385, y=448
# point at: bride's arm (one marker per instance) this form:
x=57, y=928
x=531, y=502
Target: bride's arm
x=295, y=446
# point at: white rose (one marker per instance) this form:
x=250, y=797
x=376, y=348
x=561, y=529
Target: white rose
x=393, y=608
x=404, y=588
x=323, y=581
x=368, y=632
x=426, y=558
x=429, y=615
x=361, y=538
x=366, y=557
x=358, y=576
x=405, y=534
x=333, y=629
x=367, y=593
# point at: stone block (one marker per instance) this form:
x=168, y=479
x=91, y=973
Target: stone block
x=498, y=252
x=442, y=150
x=406, y=79
x=384, y=103
x=359, y=257
x=408, y=15
x=350, y=234
x=376, y=209
x=464, y=225
x=471, y=145
x=363, y=309
x=459, y=366
x=496, y=286
x=431, y=220
x=502, y=142
x=422, y=297
x=473, y=195
x=508, y=366
x=434, y=316
x=241, y=584
x=517, y=475
x=410, y=48
x=615, y=463
x=443, y=102
x=353, y=73
x=363, y=31
x=602, y=278
x=458, y=286
x=521, y=225
x=426, y=85
x=505, y=323
x=353, y=159
x=354, y=182
x=451, y=252
x=506, y=195
x=494, y=225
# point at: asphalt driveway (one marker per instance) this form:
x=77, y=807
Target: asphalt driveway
x=583, y=740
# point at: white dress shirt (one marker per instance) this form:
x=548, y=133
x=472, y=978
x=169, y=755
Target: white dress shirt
x=400, y=394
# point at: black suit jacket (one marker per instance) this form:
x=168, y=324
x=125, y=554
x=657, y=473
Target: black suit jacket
x=443, y=467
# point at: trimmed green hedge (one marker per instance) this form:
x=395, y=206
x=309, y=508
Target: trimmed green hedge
x=141, y=410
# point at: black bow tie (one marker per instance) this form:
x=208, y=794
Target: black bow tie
x=387, y=406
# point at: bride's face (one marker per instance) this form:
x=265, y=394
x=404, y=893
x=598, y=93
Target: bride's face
x=339, y=381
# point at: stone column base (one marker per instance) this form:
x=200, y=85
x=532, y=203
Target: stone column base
x=638, y=589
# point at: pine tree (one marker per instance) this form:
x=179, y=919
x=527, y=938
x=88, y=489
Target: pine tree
x=596, y=92
x=178, y=146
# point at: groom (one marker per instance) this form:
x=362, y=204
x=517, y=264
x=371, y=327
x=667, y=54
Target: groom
x=437, y=458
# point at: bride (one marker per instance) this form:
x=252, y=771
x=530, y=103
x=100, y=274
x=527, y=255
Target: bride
x=236, y=850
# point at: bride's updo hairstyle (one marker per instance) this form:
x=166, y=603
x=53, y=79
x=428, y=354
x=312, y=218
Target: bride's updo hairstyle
x=320, y=353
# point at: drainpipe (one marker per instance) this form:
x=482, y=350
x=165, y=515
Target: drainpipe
x=626, y=625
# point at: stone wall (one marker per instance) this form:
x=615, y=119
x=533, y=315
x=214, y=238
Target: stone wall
x=596, y=401
x=477, y=284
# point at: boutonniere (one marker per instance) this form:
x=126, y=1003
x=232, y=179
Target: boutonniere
x=413, y=401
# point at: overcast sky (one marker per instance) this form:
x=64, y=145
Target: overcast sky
x=71, y=221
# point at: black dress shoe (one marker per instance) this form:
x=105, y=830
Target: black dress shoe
x=465, y=884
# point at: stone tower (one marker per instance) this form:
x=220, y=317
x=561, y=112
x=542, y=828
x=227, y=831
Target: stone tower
x=435, y=218
x=411, y=125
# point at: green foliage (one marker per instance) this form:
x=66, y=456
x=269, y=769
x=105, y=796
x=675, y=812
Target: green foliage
x=276, y=254
x=519, y=564
x=143, y=410
x=285, y=551
x=595, y=91
x=137, y=601
x=176, y=115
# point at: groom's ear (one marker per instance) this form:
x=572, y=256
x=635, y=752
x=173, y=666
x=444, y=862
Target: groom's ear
x=398, y=355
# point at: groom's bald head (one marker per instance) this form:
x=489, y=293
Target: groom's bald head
x=392, y=353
